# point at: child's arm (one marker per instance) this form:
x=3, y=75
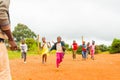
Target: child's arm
x=42, y=45
x=53, y=47
x=26, y=48
x=7, y=31
x=49, y=45
x=63, y=45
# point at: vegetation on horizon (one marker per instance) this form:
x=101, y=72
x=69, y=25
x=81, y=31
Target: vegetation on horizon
x=21, y=31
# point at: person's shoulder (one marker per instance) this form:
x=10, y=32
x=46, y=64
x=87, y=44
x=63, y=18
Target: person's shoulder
x=62, y=42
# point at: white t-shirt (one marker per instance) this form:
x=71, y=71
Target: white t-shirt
x=59, y=47
x=23, y=47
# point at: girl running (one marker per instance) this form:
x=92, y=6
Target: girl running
x=45, y=49
x=92, y=50
x=59, y=46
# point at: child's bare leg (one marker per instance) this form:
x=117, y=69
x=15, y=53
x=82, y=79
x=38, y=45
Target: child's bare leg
x=45, y=58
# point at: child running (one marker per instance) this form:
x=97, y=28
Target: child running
x=92, y=50
x=45, y=49
x=74, y=48
x=83, y=51
x=88, y=49
x=59, y=46
x=23, y=47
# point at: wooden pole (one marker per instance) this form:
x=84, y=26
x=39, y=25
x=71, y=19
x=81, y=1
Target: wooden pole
x=82, y=39
x=38, y=44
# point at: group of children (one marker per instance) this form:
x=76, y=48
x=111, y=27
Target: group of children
x=59, y=46
x=86, y=49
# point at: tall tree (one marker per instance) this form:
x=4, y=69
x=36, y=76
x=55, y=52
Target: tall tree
x=22, y=31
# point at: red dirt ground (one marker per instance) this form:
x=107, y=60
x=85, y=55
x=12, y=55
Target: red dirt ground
x=104, y=67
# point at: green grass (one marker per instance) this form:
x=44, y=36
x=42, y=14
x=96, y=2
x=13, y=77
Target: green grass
x=14, y=54
x=106, y=52
x=17, y=54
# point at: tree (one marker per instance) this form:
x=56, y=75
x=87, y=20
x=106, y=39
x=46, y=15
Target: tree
x=97, y=49
x=103, y=48
x=79, y=51
x=21, y=31
x=67, y=46
x=115, y=47
x=32, y=44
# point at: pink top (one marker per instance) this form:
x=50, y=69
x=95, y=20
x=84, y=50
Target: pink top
x=92, y=47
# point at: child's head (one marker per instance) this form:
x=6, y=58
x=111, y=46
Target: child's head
x=58, y=39
x=43, y=39
x=93, y=42
x=88, y=43
x=23, y=41
x=74, y=41
x=83, y=42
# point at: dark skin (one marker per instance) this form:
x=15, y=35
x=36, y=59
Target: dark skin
x=44, y=41
x=44, y=57
x=10, y=38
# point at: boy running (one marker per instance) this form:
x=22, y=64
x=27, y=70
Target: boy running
x=88, y=49
x=24, y=48
x=74, y=48
x=84, y=51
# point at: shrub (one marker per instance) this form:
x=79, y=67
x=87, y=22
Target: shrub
x=115, y=47
x=32, y=44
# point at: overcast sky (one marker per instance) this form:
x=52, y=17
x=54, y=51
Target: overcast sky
x=97, y=20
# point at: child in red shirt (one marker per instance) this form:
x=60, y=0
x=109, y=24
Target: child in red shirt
x=74, y=48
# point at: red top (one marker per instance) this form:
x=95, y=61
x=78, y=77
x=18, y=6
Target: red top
x=74, y=46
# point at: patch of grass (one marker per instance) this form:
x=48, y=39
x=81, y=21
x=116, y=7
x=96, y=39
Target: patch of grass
x=106, y=52
x=14, y=54
x=17, y=54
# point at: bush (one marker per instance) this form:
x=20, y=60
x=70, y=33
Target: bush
x=103, y=48
x=79, y=51
x=97, y=49
x=115, y=47
x=32, y=44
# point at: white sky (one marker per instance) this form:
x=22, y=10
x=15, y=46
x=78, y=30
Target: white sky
x=97, y=20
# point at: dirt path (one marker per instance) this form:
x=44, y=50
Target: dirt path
x=104, y=67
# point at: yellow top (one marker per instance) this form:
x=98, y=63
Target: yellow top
x=45, y=49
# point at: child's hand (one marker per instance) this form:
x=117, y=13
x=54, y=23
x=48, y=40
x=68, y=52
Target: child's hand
x=13, y=45
x=64, y=47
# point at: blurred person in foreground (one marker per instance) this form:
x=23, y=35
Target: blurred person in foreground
x=5, y=33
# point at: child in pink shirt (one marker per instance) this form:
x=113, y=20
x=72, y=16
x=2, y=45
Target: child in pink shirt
x=92, y=50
